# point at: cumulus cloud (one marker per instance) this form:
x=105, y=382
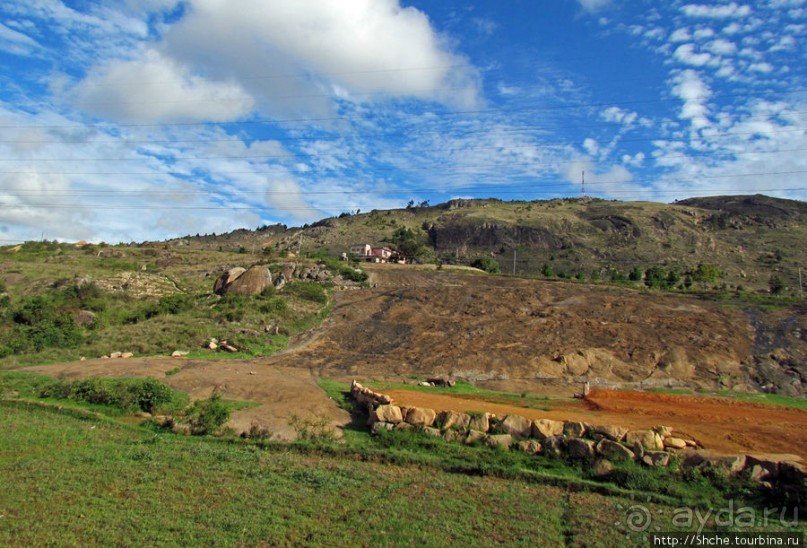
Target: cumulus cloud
x=686, y=54
x=281, y=49
x=157, y=89
x=732, y=10
x=694, y=92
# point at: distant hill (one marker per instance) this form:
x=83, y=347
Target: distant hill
x=747, y=239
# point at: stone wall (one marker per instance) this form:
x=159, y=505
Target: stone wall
x=597, y=444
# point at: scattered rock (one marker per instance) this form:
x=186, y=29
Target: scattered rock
x=432, y=432
x=613, y=433
x=419, y=416
x=517, y=426
x=126, y=355
x=453, y=436
x=115, y=355
x=454, y=420
x=387, y=413
x=580, y=449
x=731, y=465
x=602, y=467
x=674, y=443
x=573, y=429
x=553, y=446
x=227, y=347
x=179, y=353
x=663, y=431
x=499, y=440
x=656, y=458
x=530, y=447
x=480, y=422
x=403, y=426
x=142, y=415
x=546, y=428
x=84, y=318
x=474, y=436
x=614, y=451
x=646, y=438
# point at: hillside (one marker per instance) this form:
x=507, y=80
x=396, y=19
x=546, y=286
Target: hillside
x=747, y=239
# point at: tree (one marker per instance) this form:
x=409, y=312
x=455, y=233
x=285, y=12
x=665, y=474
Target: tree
x=487, y=264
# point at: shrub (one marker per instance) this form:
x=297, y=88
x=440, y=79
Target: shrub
x=124, y=394
x=207, y=416
x=487, y=264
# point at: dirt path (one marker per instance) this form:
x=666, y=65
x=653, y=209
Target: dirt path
x=723, y=425
x=282, y=392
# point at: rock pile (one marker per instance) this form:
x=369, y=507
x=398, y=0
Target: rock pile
x=598, y=444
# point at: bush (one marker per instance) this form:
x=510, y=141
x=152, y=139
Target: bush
x=207, y=416
x=487, y=264
x=39, y=324
x=124, y=394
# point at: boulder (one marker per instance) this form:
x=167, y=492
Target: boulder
x=613, y=433
x=280, y=281
x=115, y=355
x=730, y=464
x=656, y=458
x=84, y=318
x=674, y=443
x=404, y=426
x=553, y=446
x=420, y=416
x=646, y=438
x=546, y=428
x=432, y=432
x=663, y=431
x=386, y=413
x=530, y=447
x=126, y=355
x=252, y=282
x=517, y=426
x=474, y=436
x=479, y=422
x=220, y=286
x=454, y=420
x=758, y=474
x=503, y=441
x=614, y=451
x=580, y=449
x=602, y=467
x=573, y=429
x=179, y=353
x=452, y=436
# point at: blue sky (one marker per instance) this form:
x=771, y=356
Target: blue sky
x=148, y=119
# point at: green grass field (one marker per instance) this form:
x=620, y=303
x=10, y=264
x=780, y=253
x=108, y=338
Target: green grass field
x=78, y=474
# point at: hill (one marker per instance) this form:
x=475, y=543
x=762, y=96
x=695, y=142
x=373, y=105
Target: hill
x=747, y=243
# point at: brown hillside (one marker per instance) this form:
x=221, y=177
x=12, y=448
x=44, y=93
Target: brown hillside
x=415, y=321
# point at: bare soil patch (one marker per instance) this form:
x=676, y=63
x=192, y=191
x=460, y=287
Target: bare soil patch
x=282, y=392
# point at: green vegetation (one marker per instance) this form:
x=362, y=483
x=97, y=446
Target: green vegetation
x=100, y=479
x=127, y=395
x=61, y=303
x=207, y=416
x=487, y=264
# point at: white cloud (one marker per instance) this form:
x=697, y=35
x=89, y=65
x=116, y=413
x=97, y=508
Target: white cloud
x=165, y=92
x=280, y=50
x=594, y=5
x=722, y=47
x=732, y=10
x=686, y=54
x=689, y=87
x=16, y=42
x=680, y=35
